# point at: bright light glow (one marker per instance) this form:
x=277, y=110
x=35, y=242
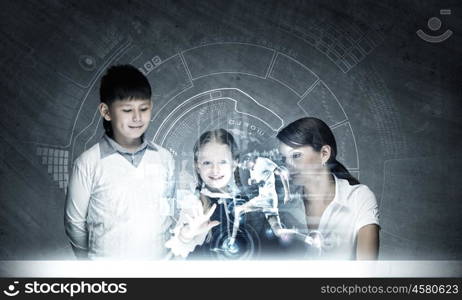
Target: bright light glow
x=172, y=269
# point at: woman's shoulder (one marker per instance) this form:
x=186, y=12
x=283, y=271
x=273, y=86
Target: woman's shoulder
x=357, y=194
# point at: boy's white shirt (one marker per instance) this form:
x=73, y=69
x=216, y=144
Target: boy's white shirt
x=115, y=210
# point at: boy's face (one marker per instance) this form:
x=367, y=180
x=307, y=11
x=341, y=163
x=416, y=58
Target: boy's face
x=129, y=118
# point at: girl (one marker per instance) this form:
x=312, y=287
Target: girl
x=205, y=216
x=341, y=210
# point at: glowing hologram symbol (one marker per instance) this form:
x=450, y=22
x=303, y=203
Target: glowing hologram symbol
x=84, y=132
x=264, y=51
x=312, y=82
x=434, y=39
x=246, y=246
x=57, y=161
x=262, y=173
x=314, y=239
x=271, y=64
x=345, y=121
x=186, y=67
x=11, y=292
x=434, y=24
x=272, y=119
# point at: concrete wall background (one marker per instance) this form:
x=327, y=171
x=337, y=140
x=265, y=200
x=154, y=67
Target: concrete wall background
x=393, y=100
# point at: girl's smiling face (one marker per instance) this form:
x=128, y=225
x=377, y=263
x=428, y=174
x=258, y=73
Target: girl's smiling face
x=215, y=165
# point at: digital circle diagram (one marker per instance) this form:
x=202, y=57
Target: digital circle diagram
x=250, y=90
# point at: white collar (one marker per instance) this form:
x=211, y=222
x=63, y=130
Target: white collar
x=232, y=187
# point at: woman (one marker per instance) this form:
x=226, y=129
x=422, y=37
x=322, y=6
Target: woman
x=339, y=208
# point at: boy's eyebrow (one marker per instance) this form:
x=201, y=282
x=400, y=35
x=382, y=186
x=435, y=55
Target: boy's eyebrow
x=131, y=104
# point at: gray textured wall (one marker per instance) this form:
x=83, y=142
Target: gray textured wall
x=393, y=100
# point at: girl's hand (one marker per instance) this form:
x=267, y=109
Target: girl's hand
x=198, y=224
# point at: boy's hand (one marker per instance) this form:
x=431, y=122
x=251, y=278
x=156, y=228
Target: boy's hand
x=198, y=224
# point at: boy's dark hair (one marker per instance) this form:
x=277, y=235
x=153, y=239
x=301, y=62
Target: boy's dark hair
x=122, y=82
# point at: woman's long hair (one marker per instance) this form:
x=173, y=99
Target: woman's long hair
x=315, y=133
x=220, y=136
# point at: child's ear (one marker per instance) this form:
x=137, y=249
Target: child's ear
x=104, y=111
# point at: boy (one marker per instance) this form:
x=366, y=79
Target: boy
x=121, y=193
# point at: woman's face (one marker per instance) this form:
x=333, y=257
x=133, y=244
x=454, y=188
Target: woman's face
x=215, y=165
x=302, y=162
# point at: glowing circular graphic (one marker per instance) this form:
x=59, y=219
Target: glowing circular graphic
x=251, y=100
x=236, y=202
x=434, y=23
x=250, y=90
x=246, y=246
x=87, y=62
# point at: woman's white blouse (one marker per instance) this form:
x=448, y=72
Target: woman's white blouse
x=353, y=207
